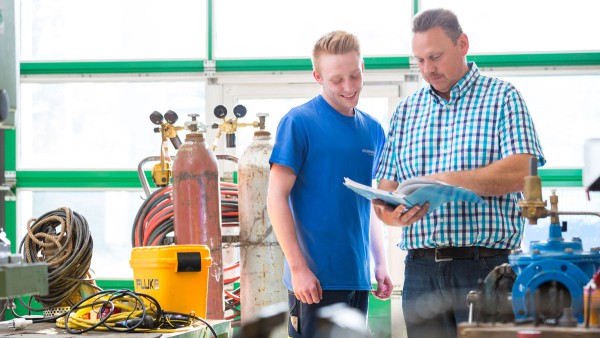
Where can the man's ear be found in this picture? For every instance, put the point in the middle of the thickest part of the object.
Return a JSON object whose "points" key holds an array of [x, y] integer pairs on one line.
{"points": [[318, 77], [463, 42]]}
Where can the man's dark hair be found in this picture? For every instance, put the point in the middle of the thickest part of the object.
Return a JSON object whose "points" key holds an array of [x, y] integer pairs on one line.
{"points": [[438, 17]]}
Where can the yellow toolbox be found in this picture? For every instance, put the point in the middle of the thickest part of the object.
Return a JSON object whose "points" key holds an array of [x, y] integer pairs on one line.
{"points": [[176, 275]]}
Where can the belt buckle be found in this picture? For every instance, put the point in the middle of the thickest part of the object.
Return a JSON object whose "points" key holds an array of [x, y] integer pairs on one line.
{"points": [[438, 259]]}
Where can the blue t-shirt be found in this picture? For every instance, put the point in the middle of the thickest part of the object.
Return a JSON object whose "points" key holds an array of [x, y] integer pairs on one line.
{"points": [[323, 146]]}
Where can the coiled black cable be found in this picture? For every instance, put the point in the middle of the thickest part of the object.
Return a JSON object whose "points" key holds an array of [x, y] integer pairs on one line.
{"points": [[61, 238]]}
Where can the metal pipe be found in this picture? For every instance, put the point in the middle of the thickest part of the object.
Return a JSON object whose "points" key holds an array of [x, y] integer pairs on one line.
{"points": [[588, 213], [142, 175], [227, 157]]}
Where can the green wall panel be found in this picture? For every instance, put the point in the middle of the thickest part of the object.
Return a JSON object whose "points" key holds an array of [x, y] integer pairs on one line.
{"points": [[80, 179], [250, 65], [112, 67]]}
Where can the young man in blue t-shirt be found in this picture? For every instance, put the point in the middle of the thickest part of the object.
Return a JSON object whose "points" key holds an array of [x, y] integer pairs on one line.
{"points": [[323, 227]]}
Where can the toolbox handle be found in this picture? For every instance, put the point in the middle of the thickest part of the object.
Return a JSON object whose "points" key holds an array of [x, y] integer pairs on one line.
{"points": [[189, 261]]}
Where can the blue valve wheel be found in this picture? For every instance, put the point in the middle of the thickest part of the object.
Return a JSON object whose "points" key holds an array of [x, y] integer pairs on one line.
{"points": [[544, 272]]}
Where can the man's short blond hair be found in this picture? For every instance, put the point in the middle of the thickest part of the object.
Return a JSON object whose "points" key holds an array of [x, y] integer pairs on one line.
{"points": [[334, 43]]}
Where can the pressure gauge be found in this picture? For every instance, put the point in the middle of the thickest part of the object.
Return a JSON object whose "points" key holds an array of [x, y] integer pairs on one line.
{"points": [[156, 117], [220, 111], [239, 111], [171, 117]]}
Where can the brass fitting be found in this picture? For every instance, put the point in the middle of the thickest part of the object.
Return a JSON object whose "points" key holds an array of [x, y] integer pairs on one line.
{"points": [[532, 206]]}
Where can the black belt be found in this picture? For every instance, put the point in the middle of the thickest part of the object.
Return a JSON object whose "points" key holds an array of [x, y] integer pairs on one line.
{"points": [[450, 253]]}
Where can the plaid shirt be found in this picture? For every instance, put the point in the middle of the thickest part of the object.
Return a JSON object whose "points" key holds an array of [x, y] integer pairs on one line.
{"points": [[484, 121]]}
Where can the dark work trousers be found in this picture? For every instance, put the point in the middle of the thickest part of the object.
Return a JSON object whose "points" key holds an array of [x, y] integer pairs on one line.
{"points": [[434, 298], [303, 317]]}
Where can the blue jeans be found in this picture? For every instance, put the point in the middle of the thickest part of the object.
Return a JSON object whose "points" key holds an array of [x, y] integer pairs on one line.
{"points": [[302, 322], [434, 298]]}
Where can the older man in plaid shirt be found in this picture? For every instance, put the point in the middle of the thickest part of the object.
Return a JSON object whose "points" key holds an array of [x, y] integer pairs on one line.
{"points": [[465, 129]]}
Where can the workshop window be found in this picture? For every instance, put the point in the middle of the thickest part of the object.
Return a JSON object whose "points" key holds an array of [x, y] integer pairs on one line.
{"points": [[253, 29], [525, 26], [110, 215], [99, 125], [113, 30], [565, 111]]}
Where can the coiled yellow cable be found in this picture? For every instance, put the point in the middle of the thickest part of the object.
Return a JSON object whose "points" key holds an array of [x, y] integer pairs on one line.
{"points": [[121, 311]]}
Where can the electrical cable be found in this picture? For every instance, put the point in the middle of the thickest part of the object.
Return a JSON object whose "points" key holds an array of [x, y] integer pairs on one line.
{"points": [[15, 324], [125, 311], [158, 218], [236, 312], [232, 295], [120, 311], [35, 319], [232, 298], [61, 238], [231, 280], [155, 219], [229, 205], [232, 266], [159, 236], [232, 303], [145, 226]]}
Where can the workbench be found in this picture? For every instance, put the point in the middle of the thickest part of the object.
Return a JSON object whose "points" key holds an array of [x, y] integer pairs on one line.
{"points": [[487, 330], [221, 327]]}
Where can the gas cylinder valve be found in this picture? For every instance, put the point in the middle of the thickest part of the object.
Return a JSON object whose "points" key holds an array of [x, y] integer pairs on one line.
{"points": [[261, 120], [230, 125], [161, 172], [195, 126]]}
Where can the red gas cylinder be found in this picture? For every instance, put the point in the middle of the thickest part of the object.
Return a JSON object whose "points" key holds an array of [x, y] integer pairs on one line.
{"points": [[197, 209]]}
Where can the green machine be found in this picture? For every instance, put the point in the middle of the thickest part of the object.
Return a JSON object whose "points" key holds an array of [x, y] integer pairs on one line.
{"points": [[17, 278], [8, 63]]}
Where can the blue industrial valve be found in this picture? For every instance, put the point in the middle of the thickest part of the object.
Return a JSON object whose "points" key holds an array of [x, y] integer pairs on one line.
{"points": [[552, 276]]}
